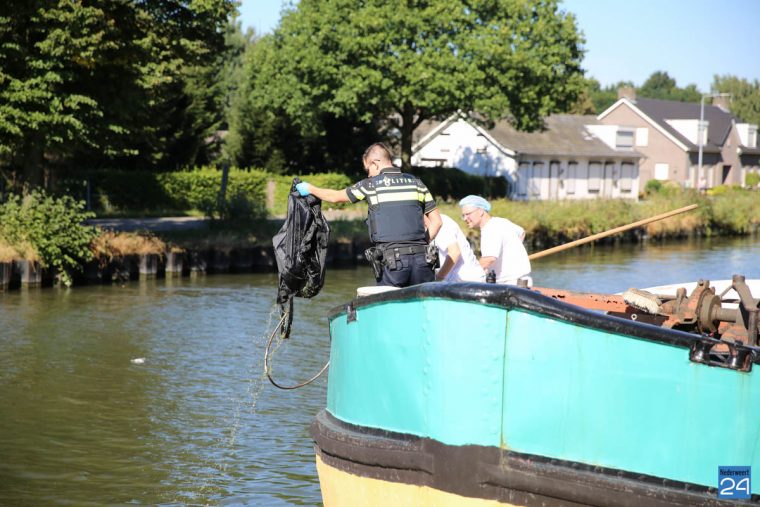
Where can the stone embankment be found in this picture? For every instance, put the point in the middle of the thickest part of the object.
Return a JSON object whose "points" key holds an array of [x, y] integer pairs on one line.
{"points": [[25, 274]]}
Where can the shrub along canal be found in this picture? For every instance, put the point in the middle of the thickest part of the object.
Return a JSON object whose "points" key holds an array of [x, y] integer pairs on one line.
{"points": [[153, 392]]}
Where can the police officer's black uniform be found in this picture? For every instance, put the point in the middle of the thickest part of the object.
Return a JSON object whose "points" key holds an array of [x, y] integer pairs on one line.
{"points": [[397, 202]]}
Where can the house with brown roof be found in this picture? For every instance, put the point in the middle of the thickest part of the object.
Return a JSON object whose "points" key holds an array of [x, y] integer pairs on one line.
{"points": [[573, 157], [668, 135]]}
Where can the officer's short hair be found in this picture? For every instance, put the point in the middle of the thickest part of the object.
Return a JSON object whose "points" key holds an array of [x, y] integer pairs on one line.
{"points": [[377, 151]]}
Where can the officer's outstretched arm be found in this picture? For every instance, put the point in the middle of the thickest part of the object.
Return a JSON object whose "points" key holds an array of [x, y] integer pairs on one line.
{"points": [[328, 195], [434, 223]]}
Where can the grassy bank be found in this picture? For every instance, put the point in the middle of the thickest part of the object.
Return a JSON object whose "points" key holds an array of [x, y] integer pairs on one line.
{"points": [[733, 212], [728, 211], [547, 223]]}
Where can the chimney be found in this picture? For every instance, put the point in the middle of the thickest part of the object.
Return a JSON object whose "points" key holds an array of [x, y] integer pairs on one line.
{"points": [[723, 102], [627, 92]]}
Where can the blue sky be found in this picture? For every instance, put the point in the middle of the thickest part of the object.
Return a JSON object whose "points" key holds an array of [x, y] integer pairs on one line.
{"points": [[692, 40]]}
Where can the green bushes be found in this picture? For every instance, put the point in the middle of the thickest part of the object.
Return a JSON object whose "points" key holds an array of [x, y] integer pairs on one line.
{"points": [[117, 193], [195, 190], [199, 189], [752, 180], [735, 211], [547, 223], [143, 192], [52, 226], [252, 194], [551, 222]]}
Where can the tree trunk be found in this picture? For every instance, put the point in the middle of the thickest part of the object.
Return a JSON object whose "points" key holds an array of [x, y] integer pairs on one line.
{"points": [[406, 144], [411, 118], [32, 163], [407, 129]]}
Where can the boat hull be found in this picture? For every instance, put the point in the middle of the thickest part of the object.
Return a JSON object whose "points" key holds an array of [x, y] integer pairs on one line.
{"points": [[592, 407]]}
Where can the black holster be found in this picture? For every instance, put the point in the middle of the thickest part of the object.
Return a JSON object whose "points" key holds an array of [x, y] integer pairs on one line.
{"points": [[431, 256], [375, 257]]}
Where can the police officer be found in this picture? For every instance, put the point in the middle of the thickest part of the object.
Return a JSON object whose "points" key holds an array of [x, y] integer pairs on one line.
{"points": [[397, 203]]}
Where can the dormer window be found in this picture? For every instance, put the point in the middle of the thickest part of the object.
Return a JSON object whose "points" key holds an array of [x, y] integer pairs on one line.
{"points": [[624, 139], [747, 134]]}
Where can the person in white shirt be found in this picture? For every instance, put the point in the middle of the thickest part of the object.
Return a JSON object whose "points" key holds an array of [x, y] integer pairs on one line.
{"points": [[458, 261], [501, 242]]}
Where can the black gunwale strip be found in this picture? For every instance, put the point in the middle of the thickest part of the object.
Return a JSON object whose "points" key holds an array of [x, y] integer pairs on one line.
{"points": [[493, 473], [511, 297]]}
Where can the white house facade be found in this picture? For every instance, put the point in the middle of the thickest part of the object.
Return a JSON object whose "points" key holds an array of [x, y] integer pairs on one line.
{"points": [[572, 158], [459, 143]]}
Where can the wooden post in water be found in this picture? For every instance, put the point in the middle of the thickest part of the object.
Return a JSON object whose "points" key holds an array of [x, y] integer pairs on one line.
{"points": [[604, 234]]}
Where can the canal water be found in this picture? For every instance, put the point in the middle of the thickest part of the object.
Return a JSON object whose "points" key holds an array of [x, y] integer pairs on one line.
{"points": [[153, 393]]}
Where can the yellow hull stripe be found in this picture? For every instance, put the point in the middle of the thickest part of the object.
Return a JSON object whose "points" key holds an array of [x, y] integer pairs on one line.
{"points": [[342, 489]]}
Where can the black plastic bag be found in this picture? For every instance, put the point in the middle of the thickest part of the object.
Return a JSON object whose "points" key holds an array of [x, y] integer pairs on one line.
{"points": [[300, 248]]}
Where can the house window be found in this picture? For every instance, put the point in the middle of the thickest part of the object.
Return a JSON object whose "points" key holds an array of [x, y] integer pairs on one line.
{"points": [[594, 177], [572, 175], [624, 139], [661, 171], [626, 177], [523, 175], [536, 179], [642, 136]]}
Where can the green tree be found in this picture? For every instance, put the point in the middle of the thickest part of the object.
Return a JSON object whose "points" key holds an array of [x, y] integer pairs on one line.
{"points": [[745, 96], [404, 62], [600, 98], [53, 226], [44, 47], [264, 133], [661, 86], [107, 83]]}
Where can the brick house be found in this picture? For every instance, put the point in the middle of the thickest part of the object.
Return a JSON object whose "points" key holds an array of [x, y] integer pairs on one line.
{"points": [[667, 135]]}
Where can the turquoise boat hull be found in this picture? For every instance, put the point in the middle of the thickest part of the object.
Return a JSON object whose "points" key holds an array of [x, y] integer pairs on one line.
{"points": [[516, 377]]}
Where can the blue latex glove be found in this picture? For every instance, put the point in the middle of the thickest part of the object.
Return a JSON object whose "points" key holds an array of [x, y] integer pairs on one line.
{"points": [[303, 188]]}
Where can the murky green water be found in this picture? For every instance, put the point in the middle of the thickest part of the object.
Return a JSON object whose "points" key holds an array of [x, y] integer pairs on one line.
{"points": [[197, 423]]}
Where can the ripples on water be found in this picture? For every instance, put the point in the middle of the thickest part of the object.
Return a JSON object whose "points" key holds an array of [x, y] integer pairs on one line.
{"points": [[198, 423]]}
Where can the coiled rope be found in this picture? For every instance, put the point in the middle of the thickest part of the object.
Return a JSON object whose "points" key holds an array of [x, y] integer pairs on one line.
{"points": [[266, 361]]}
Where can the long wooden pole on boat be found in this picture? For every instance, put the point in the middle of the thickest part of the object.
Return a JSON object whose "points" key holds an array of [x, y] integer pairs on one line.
{"points": [[604, 234]]}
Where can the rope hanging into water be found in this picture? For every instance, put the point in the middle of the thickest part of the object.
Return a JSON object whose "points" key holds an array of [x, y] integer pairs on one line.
{"points": [[266, 362]]}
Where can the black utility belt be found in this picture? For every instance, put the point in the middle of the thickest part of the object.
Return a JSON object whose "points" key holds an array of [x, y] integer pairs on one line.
{"points": [[391, 257], [391, 253]]}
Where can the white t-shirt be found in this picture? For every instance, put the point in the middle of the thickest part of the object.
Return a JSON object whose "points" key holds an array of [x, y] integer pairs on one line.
{"points": [[467, 268], [502, 239]]}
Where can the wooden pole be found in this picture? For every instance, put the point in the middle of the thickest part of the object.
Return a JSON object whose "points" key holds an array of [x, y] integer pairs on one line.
{"points": [[604, 234]]}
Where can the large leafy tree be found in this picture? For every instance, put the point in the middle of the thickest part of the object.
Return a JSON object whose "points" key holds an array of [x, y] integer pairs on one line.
{"points": [[44, 48], [267, 130], [107, 83], [745, 96], [397, 63]]}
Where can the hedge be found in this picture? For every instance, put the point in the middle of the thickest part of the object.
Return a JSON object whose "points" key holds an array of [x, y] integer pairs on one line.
{"points": [[196, 189], [130, 192]]}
